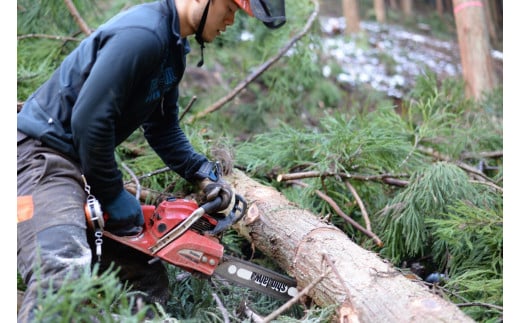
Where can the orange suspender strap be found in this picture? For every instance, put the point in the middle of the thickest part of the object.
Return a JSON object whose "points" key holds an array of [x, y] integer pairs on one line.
{"points": [[25, 208]]}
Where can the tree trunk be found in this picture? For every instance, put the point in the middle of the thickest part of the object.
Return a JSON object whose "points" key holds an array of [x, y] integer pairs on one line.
{"points": [[393, 4], [439, 7], [490, 22], [379, 8], [407, 7], [365, 287], [475, 48], [351, 14]]}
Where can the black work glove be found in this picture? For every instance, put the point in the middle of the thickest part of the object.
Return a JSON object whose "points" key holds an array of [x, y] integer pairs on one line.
{"points": [[220, 188], [213, 185], [125, 215]]}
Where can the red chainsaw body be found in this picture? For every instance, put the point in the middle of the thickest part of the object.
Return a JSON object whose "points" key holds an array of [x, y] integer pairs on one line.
{"points": [[191, 251]]}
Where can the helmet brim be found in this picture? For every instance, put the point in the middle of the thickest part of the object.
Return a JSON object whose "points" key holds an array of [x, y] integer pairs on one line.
{"points": [[270, 12]]}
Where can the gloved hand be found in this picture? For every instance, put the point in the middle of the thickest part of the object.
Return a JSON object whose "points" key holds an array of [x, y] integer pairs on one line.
{"points": [[211, 183], [125, 216], [221, 188]]}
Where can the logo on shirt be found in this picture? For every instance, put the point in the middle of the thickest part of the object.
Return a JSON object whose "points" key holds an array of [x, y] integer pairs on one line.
{"points": [[161, 84]]}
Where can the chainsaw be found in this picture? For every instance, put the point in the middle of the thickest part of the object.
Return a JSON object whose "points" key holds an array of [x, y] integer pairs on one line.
{"points": [[182, 233]]}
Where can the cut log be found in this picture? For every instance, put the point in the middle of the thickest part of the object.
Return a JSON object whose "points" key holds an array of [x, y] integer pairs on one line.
{"points": [[365, 287]]}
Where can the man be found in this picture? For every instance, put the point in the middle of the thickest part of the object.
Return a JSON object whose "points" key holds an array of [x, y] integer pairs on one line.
{"points": [[123, 76]]}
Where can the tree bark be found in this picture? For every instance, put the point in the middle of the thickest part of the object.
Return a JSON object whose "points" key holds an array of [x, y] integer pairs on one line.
{"points": [[492, 31], [351, 14], [407, 7], [365, 287], [475, 48], [379, 8], [439, 7]]}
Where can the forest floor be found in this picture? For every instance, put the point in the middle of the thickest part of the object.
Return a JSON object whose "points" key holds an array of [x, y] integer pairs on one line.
{"points": [[385, 57], [388, 57]]}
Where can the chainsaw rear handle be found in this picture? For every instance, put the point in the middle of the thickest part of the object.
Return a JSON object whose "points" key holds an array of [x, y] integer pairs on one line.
{"points": [[236, 213], [212, 206]]}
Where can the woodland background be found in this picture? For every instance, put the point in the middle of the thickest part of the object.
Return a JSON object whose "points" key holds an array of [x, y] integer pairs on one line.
{"points": [[423, 155]]}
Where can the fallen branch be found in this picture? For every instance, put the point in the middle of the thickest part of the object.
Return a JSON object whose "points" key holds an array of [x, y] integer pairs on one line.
{"points": [[135, 179], [359, 202], [468, 168], [253, 317], [385, 178], [221, 307], [253, 76], [500, 308], [77, 17], [54, 37], [336, 208], [395, 182], [155, 172], [145, 194], [465, 302], [484, 154], [188, 107], [498, 188], [295, 299]]}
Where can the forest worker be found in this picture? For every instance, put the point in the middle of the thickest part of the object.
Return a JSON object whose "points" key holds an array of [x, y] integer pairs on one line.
{"points": [[123, 76]]}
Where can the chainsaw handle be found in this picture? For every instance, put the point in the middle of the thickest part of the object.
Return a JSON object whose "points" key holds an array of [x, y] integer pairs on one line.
{"points": [[212, 206], [238, 211]]}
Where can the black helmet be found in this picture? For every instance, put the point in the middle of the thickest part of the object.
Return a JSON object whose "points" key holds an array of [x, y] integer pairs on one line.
{"points": [[270, 12]]}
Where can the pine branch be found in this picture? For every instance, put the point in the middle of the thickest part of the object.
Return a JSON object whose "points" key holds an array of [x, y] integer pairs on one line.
{"points": [[389, 179], [336, 208], [77, 17], [464, 166], [249, 313], [253, 76], [135, 179], [296, 298], [221, 307], [360, 204], [54, 37], [500, 308], [483, 154], [188, 107]]}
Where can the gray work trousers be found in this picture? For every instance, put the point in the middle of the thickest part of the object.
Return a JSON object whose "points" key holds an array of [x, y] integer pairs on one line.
{"points": [[53, 242]]}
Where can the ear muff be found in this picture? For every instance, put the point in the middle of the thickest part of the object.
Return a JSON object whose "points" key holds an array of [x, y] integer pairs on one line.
{"points": [[94, 214]]}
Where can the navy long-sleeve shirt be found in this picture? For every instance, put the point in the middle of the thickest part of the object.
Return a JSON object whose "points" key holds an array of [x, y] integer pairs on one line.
{"points": [[123, 76]]}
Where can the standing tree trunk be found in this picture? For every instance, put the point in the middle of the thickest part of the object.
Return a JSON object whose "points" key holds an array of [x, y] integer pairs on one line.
{"points": [[475, 49], [439, 7], [407, 7], [379, 8], [364, 287], [351, 14], [490, 23], [393, 4]]}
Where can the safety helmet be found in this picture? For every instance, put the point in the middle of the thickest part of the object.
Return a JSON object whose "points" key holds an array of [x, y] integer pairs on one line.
{"points": [[270, 12]]}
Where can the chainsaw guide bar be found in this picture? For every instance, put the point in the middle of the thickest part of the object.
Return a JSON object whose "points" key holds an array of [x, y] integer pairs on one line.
{"points": [[255, 277]]}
